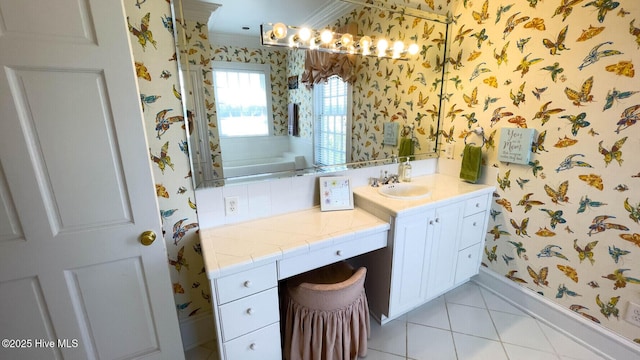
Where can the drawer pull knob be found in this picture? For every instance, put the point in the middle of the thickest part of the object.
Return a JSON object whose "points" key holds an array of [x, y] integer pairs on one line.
{"points": [[474, 223], [469, 256], [438, 220], [252, 346], [250, 311], [339, 252], [247, 284], [477, 205], [431, 222]]}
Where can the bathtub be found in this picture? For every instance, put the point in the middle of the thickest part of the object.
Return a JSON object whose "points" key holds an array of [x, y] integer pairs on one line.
{"points": [[262, 166]]}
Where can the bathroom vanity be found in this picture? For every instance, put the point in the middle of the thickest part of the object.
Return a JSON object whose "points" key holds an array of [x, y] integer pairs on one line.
{"points": [[414, 250], [435, 243]]}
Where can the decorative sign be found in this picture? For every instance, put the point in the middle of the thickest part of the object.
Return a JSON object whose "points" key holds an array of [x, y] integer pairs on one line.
{"points": [[390, 132], [335, 193], [515, 145]]}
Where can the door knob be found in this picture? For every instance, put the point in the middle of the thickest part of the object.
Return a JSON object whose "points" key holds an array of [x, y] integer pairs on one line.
{"points": [[147, 238]]}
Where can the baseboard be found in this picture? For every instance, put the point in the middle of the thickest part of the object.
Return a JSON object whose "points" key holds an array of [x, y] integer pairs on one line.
{"points": [[197, 330], [599, 339]]}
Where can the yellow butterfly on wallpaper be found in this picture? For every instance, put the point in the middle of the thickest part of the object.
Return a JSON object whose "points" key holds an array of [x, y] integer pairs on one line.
{"points": [[544, 232], [505, 203], [180, 260], [512, 22], [569, 271], [635, 32], [539, 278], [474, 55], [448, 137], [416, 22], [586, 252], [544, 114], [562, 143], [520, 121], [565, 8], [504, 182], [457, 62], [624, 68], [480, 17], [528, 203], [590, 32], [161, 191], [163, 160], [592, 180], [490, 141], [558, 45], [584, 95], [560, 195], [430, 4], [502, 57], [142, 72], [511, 275], [491, 255], [633, 238], [538, 144], [535, 23], [491, 81], [461, 34], [472, 99], [521, 229], [518, 97], [427, 31], [177, 288], [143, 34], [525, 64], [422, 100], [614, 153]]}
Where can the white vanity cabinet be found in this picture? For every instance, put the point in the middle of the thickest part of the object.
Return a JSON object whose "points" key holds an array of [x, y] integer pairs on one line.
{"points": [[432, 247], [247, 313]]}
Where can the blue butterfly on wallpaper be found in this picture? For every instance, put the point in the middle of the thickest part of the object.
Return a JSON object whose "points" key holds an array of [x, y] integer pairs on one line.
{"points": [[556, 217], [548, 251], [148, 99], [616, 253], [562, 291], [569, 163], [183, 306], [603, 7], [480, 36], [595, 55], [614, 95], [521, 43], [507, 258], [479, 69], [577, 122], [585, 202], [494, 213], [167, 213]]}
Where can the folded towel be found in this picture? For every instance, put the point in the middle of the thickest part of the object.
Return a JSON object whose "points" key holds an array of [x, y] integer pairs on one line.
{"points": [[406, 147], [471, 163]]}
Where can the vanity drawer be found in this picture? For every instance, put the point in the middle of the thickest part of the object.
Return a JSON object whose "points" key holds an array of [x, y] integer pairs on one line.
{"points": [[246, 283], [472, 230], [476, 204], [468, 263], [331, 254], [263, 344], [250, 313]]}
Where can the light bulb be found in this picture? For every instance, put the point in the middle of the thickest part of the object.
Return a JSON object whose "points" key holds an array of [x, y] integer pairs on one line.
{"points": [[398, 46], [326, 36], [346, 40], [279, 30], [304, 34], [365, 44], [382, 46], [413, 49]]}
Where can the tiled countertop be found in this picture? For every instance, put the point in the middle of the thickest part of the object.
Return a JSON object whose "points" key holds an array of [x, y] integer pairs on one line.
{"points": [[444, 189], [232, 248]]}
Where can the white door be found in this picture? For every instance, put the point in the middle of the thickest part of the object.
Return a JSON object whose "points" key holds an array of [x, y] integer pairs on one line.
{"points": [[76, 191]]}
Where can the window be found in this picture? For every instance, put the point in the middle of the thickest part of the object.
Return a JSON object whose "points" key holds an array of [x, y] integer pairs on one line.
{"points": [[243, 99], [333, 122]]}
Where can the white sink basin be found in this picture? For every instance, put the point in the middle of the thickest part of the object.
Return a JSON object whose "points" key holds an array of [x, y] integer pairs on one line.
{"points": [[404, 191]]}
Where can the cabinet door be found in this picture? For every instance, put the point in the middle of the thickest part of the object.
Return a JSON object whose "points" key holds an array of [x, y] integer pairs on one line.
{"points": [[409, 253], [441, 263]]}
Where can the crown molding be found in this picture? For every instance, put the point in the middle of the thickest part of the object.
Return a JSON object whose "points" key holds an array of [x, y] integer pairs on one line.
{"points": [[201, 11]]}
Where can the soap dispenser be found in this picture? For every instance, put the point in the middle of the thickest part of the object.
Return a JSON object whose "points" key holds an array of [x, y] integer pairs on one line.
{"points": [[401, 171], [406, 171]]}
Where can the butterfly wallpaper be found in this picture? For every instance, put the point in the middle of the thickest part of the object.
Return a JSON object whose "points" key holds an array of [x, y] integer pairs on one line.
{"points": [[152, 42], [567, 225]]}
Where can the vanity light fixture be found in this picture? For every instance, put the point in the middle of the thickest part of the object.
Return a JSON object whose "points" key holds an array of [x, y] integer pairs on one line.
{"points": [[330, 41]]}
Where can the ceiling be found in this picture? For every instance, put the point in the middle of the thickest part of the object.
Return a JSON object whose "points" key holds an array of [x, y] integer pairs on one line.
{"points": [[233, 15]]}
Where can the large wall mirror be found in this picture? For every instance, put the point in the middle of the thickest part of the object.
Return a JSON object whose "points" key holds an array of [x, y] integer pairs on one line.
{"points": [[391, 109]]}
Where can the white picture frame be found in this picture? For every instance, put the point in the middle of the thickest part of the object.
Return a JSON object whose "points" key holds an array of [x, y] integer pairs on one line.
{"points": [[335, 193]]}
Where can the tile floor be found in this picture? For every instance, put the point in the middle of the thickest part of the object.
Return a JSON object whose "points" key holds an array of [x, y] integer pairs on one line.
{"points": [[468, 323]]}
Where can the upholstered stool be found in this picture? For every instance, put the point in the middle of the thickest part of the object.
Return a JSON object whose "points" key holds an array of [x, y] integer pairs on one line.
{"points": [[327, 314]]}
